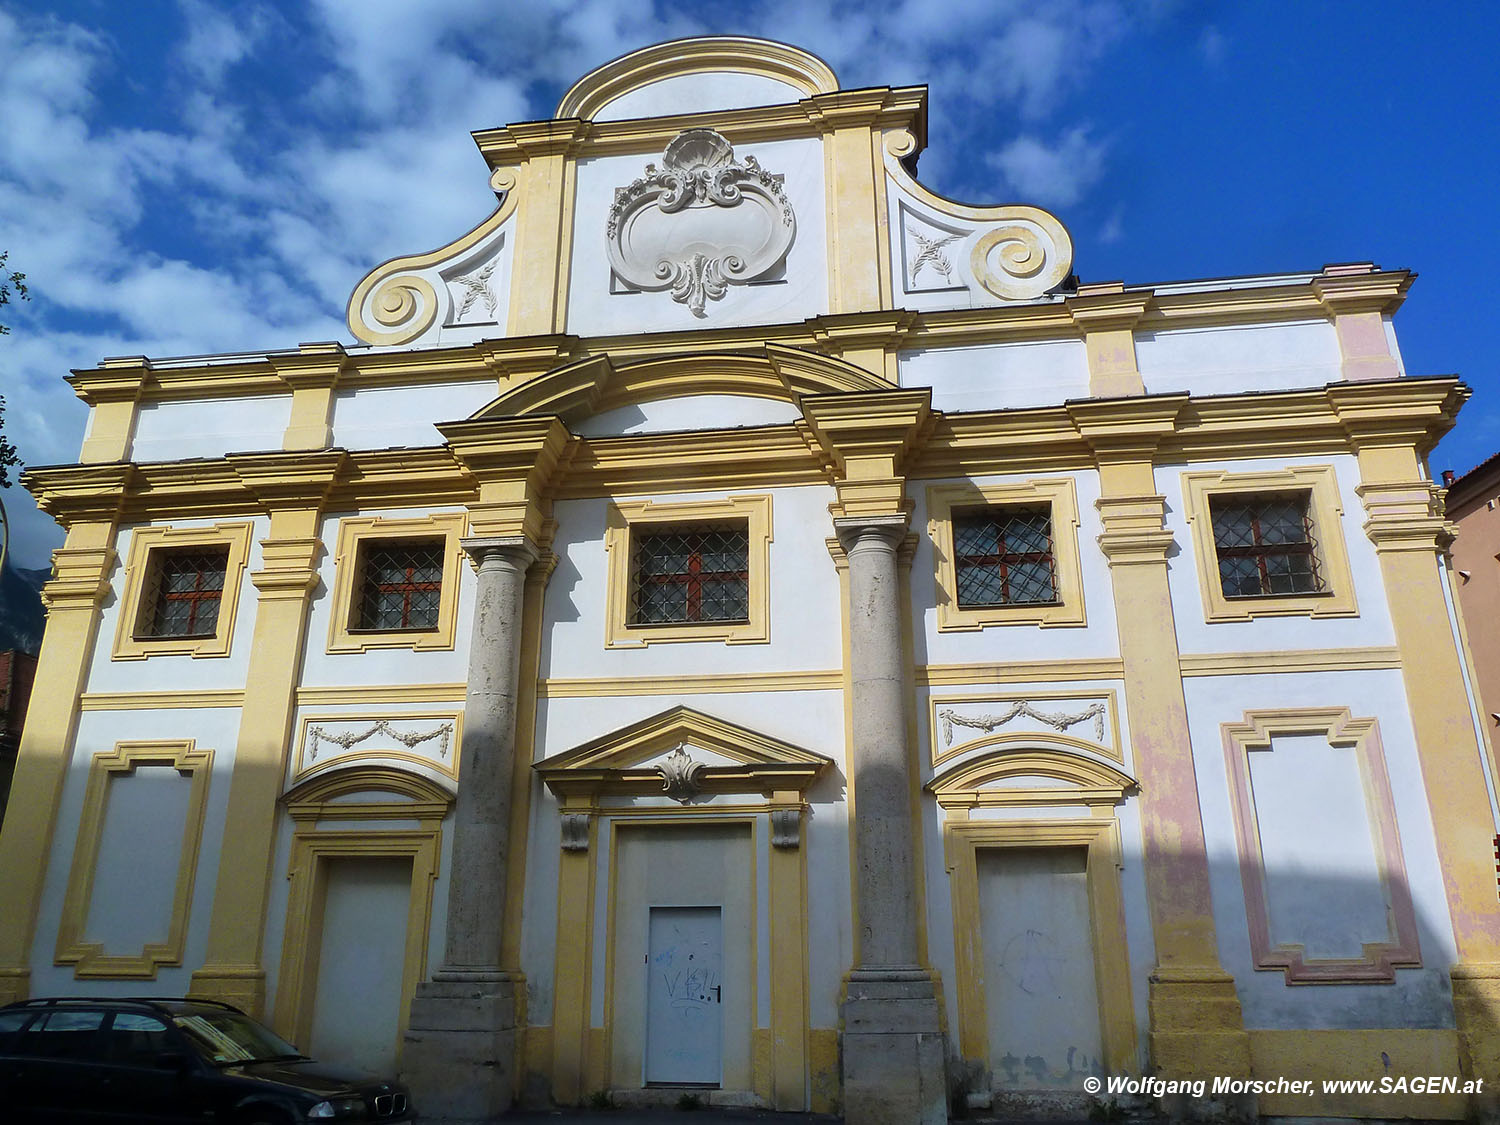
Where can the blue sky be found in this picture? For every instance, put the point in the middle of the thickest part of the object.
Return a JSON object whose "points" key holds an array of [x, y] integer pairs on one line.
{"points": [[180, 177]]}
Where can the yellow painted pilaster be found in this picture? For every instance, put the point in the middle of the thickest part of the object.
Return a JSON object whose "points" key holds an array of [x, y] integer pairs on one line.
{"points": [[114, 391], [788, 898], [1357, 298], [544, 221], [572, 979], [81, 570], [1196, 1026], [868, 340], [293, 487], [1392, 427], [853, 169], [313, 374], [1107, 316]]}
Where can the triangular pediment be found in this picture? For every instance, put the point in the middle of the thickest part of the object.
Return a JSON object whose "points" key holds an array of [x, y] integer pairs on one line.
{"points": [[724, 757]]}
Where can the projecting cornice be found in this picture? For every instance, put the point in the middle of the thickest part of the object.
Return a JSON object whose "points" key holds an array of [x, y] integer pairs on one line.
{"points": [[916, 443]]}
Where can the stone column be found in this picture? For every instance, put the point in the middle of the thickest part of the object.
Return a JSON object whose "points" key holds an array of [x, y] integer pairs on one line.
{"points": [[460, 1041], [893, 1045]]}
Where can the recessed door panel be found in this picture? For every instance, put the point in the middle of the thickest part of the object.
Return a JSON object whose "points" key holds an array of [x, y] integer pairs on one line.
{"points": [[361, 963], [1041, 1000], [684, 996]]}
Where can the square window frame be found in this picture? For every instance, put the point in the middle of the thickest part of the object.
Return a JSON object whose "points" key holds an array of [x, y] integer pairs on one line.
{"points": [[148, 541], [1059, 494], [354, 533], [622, 517], [1324, 507]]}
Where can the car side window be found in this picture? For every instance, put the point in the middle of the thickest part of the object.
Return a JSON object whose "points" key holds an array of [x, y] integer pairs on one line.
{"points": [[63, 1034], [10, 1023], [134, 1039]]}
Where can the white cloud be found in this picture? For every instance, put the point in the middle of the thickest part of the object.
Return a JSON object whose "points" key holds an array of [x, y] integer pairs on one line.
{"points": [[241, 215], [1053, 174]]}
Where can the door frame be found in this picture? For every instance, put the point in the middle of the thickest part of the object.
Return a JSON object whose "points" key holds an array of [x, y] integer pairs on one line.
{"points": [[1100, 837], [318, 840]]}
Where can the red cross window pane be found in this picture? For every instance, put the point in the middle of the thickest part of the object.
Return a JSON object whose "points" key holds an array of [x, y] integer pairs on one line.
{"points": [[1003, 556], [182, 593], [1265, 545], [684, 574], [400, 585]]}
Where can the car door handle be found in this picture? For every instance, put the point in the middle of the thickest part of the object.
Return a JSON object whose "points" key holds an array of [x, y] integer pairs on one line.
{"points": [[718, 999]]}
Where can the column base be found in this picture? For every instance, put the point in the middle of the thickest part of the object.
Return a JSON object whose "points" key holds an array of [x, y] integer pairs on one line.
{"points": [[1198, 1031], [893, 1055], [1476, 1015], [244, 986], [15, 984], [460, 1053]]}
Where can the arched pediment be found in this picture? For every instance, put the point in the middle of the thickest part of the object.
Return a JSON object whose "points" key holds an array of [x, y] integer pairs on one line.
{"points": [[597, 384], [1031, 775], [380, 792], [707, 754], [802, 75]]}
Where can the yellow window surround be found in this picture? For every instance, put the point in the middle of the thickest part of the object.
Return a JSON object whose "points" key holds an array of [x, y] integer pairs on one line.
{"points": [[1320, 485], [1058, 495], [354, 533], [146, 542], [625, 519]]}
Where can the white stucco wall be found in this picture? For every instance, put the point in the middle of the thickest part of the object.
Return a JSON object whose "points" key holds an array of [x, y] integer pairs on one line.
{"points": [[999, 376], [215, 729], [712, 90], [594, 310], [1196, 635], [176, 673], [211, 427], [805, 629], [691, 412], [1420, 997], [997, 643], [382, 417], [1262, 357], [381, 665]]}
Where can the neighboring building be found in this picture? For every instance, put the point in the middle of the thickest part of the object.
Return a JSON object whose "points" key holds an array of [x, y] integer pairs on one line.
{"points": [[741, 622], [17, 672], [1473, 503]]}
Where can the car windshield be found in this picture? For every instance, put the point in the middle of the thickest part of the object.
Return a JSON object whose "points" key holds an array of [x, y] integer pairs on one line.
{"points": [[226, 1038]]}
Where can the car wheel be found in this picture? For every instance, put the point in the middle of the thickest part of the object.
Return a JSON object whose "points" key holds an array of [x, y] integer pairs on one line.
{"points": [[265, 1117]]}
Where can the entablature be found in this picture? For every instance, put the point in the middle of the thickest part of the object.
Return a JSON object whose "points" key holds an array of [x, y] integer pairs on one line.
{"points": [[1410, 412]]}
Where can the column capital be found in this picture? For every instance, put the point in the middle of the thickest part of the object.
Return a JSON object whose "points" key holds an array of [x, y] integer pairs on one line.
{"points": [[518, 550], [890, 530]]}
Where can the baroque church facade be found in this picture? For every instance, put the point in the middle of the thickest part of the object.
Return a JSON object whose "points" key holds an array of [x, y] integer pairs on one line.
{"points": [[739, 622]]}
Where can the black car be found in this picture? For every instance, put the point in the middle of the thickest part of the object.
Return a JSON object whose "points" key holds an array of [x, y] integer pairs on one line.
{"points": [[145, 1060]]}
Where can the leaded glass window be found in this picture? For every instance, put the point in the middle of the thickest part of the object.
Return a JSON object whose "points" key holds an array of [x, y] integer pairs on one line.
{"points": [[1265, 545], [1003, 556], [182, 592], [690, 573], [399, 584]]}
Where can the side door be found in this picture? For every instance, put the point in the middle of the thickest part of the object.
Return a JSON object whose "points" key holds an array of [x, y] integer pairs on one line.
{"points": [[148, 1074], [56, 1065], [15, 1080]]}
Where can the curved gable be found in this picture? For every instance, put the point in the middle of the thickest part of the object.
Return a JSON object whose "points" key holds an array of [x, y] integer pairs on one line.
{"points": [[735, 71]]}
